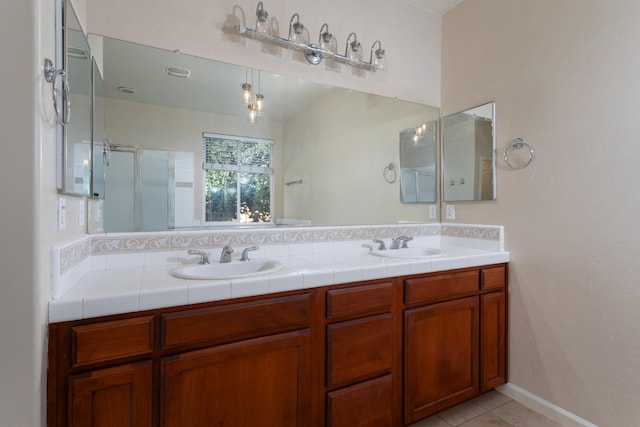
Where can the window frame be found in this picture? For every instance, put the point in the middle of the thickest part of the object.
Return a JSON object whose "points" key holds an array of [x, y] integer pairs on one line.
{"points": [[239, 170]]}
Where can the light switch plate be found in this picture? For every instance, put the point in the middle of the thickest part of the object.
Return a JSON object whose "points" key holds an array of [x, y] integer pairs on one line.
{"points": [[62, 213], [433, 213], [81, 215], [450, 212]]}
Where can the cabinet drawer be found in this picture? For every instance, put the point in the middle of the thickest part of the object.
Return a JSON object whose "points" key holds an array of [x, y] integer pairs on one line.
{"points": [[104, 341], [371, 299], [235, 322], [493, 278], [368, 404], [357, 349], [440, 287]]}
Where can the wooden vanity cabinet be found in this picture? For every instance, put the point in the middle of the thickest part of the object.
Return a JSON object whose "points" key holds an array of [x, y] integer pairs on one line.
{"points": [[254, 370], [363, 348], [455, 338], [235, 363], [377, 353]]}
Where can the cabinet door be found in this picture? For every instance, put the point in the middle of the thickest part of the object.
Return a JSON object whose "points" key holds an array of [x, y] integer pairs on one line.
{"points": [[493, 324], [441, 356], [263, 381], [119, 396], [358, 349], [368, 404]]}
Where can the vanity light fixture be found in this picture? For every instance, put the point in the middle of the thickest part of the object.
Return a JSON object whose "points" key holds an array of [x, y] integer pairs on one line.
{"points": [[297, 33], [380, 60], [326, 40], [355, 54], [298, 39], [262, 27]]}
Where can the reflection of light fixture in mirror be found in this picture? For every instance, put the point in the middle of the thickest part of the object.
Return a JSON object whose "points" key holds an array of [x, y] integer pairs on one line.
{"points": [[297, 34], [355, 54], [380, 61], [246, 88], [419, 132], [246, 93], [259, 99], [253, 113], [326, 40], [261, 20], [259, 104]]}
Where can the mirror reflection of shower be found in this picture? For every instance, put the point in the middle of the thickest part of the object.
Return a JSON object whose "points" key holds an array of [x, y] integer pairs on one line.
{"points": [[418, 163], [139, 190]]}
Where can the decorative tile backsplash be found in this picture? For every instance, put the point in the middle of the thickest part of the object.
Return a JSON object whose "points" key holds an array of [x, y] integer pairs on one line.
{"points": [[74, 254], [484, 232], [141, 242]]}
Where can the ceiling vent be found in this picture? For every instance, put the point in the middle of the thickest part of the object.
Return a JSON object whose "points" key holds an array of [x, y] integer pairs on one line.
{"points": [[76, 52], [174, 71]]}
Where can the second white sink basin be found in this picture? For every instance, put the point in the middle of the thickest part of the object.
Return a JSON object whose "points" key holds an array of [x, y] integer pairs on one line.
{"points": [[409, 253], [230, 270]]}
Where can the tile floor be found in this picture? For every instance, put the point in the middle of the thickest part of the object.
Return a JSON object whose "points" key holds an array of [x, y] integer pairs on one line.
{"points": [[492, 409]]}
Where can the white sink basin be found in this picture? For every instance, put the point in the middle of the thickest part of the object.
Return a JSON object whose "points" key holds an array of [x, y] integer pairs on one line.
{"points": [[230, 270], [409, 253]]}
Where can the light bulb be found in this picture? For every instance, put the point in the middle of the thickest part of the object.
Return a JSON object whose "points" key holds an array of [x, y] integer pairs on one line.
{"points": [[253, 114], [259, 103], [246, 93], [261, 20]]}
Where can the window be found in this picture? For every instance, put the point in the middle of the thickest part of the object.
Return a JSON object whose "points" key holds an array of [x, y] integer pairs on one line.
{"points": [[238, 178]]}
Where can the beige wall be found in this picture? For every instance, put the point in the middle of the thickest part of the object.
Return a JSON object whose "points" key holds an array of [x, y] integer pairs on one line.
{"points": [[566, 78], [28, 214]]}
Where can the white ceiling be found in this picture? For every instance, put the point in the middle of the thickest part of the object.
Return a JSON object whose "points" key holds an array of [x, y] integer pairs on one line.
{"points": [[436, 6]]}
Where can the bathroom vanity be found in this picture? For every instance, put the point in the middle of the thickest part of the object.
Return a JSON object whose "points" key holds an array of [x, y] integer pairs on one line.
{"points": [[384, 352]]}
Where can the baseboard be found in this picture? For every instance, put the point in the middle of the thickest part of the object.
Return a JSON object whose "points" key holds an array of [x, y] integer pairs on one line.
{"points": [[548, 409]]}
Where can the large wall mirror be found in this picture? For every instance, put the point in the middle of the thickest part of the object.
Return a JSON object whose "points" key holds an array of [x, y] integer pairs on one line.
{"points": [[469, 154], [315, 155], [74, 127]]}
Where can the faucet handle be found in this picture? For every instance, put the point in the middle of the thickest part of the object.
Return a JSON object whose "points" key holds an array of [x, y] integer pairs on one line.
{"points": [[400, 242], [204, 258], [404, 242], [245, 252], [225, 256], [381, 246]]}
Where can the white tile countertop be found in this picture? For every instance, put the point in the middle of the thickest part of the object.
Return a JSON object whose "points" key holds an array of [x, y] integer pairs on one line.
{"points": [[104, 291]]}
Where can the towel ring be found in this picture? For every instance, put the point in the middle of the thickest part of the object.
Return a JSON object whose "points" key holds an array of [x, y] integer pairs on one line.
{"points": [[389, 173], [517, 144]]}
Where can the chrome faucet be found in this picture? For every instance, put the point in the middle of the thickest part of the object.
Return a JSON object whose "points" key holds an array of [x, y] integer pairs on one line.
{"points": [[245, 252], [381, 246], [400, 242], [204, 258], [225, 256]]}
